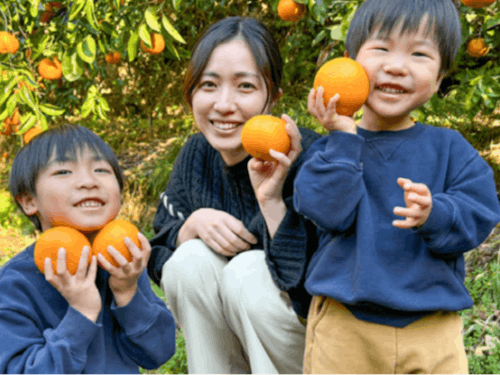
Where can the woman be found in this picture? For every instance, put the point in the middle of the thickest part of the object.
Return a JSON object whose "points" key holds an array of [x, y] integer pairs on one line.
{"points": [[230, 252]]}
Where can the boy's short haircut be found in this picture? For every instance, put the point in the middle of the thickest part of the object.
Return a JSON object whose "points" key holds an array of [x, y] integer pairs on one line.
{"points": [[64, 143], [443, 21]]}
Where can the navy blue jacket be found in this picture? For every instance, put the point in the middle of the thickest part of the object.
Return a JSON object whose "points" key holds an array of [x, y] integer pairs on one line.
{"points": [[381, 273]]}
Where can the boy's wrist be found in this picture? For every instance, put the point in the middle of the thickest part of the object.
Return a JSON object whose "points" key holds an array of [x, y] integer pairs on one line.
{"points": [[124, 296]]}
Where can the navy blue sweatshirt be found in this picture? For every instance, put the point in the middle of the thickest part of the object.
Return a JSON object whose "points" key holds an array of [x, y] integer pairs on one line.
{"points": [[383, 274], [41, 333], [201, 179]]}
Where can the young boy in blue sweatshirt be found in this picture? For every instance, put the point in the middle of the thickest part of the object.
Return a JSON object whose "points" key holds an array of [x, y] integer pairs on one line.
{"points": [[387, 290], [103, 319]]}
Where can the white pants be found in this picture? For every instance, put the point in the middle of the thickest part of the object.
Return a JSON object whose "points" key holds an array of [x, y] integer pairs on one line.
{"points": [[234, 318]]}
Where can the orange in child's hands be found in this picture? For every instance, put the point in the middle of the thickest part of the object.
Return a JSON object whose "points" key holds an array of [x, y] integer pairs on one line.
{"points": [[262, 133], [113, 233], [52, 240], [346, 77]]}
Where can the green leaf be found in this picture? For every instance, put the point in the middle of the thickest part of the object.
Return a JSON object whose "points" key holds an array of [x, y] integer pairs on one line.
{"points": [[34, 8], [27, 122], [176, 4], [86, 49], [87, 107], [132, 45], [76, 8], [151, 20], [171, 48], [51, 110], [336, 33], [145, 35], [11, 103], [321, 35], [90, 14], [28, 97], [104, 103], [171, 30], [72, 69]]}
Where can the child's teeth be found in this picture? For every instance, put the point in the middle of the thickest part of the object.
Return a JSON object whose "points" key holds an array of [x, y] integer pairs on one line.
{"points": [[91, 204]]}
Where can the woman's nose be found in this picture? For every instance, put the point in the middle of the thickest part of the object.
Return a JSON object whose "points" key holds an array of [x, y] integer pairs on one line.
{"points": [[225, 101]]}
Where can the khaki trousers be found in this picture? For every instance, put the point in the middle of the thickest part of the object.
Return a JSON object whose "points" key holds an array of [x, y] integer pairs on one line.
{"points": [[338, 342], [234, 318]]}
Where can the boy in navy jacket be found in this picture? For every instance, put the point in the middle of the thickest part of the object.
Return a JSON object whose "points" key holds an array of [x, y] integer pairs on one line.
{"points": [[102, 319], [387, 289]]}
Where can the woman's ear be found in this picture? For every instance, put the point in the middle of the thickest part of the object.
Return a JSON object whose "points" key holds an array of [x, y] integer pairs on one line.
{"points": [[29, 203]]}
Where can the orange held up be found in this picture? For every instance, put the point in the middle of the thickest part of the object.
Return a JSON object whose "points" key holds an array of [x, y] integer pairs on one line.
{"points": [[262, 133], [346, 77]]}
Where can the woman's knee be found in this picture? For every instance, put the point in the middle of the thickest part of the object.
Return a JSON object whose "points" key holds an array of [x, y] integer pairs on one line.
{"points": [[190, 264]]}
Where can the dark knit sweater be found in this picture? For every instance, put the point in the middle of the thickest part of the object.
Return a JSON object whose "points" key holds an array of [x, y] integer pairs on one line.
{"points": [[201, 179]]}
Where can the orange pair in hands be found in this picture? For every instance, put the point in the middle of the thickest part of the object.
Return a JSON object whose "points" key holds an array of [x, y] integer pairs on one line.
{"points": [[113, 233]]}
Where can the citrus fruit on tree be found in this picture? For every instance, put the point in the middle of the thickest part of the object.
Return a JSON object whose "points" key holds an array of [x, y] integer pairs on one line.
{"points": [[113, 233], [31, 133], [289, 10], [50, 69], [113, 57], [346, 77], [49, 243], [262, 133], [477, 48], [10, 124], [8, 42], [477, 4], [157, 44]]}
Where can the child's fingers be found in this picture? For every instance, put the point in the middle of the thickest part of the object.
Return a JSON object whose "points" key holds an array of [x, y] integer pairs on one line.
{"points": [[404, 224], [403, 181], [422, 200], [132, 247], [81, 270], [48, 270], [281, 158], [412, 212], [62, 269], [117, 256], [92, 271], [420, 189], [145, 245]]}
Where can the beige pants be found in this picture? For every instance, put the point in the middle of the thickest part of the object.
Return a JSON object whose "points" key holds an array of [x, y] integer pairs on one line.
{"points": [[234, 318], [339, 343]]}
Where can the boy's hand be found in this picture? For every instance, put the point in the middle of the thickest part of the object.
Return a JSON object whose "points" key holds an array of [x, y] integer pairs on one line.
{"points": [[328, 116], [123, 279], [418, 201], [79, 289]]}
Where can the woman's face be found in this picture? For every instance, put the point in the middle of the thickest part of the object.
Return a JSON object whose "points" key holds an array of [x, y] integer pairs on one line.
{"points": [[231, 90]]}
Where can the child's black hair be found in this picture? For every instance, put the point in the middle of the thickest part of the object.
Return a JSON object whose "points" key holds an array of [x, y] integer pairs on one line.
{"points": [[443, 21], [64, 143]]}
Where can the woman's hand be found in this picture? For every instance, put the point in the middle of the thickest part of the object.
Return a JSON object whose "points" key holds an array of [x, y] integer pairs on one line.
{"points": [[221, 231], [328, 116], [123, 279], [268, 177]]}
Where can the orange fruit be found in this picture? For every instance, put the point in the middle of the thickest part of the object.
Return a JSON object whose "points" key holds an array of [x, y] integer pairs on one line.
{"points": [[46, 16], [477, 47], [113, 57], [289, 10], [31, 133], [7, 128], [113, 233], [348, 78], [52, 240], [50, 69], [477, 4], [5, 155], [8, 42], [10, 123], [262, 133], [158, 44]]}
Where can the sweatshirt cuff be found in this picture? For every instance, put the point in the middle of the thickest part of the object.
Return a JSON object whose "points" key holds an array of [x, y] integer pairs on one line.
{"points": [[439, 222], [342, 146], [137, 316], [77, 330]]}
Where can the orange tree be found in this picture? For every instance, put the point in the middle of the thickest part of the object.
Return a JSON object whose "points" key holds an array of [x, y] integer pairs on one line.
{"points": [[59, 67]]}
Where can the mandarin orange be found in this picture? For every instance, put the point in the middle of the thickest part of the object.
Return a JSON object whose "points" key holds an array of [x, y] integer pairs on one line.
{"points": [[262, 133], [113, 233], [49, 243]]}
